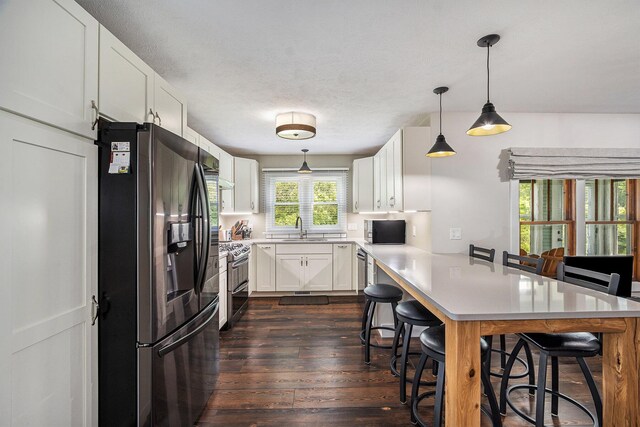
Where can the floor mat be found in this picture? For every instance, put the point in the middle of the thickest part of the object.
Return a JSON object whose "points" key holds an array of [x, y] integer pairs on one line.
{"points": [[304, 300]]}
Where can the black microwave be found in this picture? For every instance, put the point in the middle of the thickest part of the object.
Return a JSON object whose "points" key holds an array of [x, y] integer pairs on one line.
{"points": [[385, 231]]}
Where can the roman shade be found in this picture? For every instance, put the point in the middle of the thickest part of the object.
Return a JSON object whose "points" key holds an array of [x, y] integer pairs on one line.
{"points": [[573, 163]]}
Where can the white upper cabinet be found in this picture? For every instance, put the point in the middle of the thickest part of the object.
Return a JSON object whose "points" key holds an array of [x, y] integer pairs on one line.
{"points": [[380, 180], [170, 107], [49, 63], [126, 82], [362, 183], [193, 137], [402, 172], [246, 185], [226, 173], [255, 187]]}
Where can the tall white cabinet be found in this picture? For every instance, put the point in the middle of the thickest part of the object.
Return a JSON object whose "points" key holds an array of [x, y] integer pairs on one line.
{"points": [[48, 356], [170, 106], [49, 63]]}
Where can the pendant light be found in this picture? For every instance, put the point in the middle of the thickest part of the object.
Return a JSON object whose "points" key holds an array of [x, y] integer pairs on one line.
{"points": [[293, 125], [489, 122], [305, 167], [441, 148]]}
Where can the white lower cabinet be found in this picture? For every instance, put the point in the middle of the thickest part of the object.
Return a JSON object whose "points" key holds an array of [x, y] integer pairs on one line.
{"points": [[304, 267], [48, 356], [266, 268], [289, 272], [318, 274], [343, 267], [222, 311]]}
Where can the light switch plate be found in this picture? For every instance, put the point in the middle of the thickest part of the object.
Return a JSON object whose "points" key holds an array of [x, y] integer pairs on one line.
{"points": [[352, 226], [455, 233]]}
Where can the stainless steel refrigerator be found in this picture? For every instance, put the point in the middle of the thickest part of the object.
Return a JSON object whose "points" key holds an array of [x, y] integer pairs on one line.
{"points": [[158, 276]]}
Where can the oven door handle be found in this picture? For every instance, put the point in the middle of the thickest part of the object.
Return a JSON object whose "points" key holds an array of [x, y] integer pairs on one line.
{"points": [[242, 287], [170, 347], [239, 263]]}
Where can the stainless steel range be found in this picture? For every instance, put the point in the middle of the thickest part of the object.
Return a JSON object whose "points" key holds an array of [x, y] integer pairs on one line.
{"points": [[237, 280]]}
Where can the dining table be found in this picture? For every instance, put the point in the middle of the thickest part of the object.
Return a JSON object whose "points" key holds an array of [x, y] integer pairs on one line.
{"points": [[476, 298]]}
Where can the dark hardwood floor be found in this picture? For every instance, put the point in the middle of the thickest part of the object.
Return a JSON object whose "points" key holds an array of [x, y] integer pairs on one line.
{"points": [[304, 365]]}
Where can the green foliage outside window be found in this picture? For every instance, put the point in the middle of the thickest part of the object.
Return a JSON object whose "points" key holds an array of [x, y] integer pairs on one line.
{"points": [[287, 206], [325, 203]]}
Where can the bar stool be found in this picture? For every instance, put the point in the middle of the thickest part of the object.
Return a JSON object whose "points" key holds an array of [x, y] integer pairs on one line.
{"points": [[432, 342], [378, 293], [552, 346], [531, 265], [409, 313]]}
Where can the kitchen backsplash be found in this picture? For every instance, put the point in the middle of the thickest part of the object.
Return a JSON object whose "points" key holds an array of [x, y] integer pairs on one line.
{"points": [[421, 221]]}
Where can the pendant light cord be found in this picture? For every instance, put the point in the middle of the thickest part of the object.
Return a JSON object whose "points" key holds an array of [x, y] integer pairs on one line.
{"points": [[488, 47], [440, 114]]}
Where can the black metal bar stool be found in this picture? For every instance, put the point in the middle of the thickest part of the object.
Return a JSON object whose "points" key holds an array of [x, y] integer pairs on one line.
{"points": [[409, 313], [552, 346], [432, 342], [379, 293], [531, 265]]}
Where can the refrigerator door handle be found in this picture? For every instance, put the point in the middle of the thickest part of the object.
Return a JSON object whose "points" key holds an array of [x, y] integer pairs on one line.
{"points": [[170, 347], [205, 229]]}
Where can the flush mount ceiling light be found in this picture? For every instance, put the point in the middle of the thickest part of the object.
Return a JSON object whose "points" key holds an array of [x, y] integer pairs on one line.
{"points": [[293, 125], [489, 122], [441, 148], [305, 167]]}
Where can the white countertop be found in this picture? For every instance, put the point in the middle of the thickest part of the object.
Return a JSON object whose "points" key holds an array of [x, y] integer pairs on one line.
{"points": [[464, 288]]}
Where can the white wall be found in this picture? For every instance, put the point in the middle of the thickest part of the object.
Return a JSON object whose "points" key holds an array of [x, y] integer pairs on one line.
{"points": [[470, 190]]}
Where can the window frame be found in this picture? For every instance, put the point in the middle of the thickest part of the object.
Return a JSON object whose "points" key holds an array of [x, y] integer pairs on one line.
{"points": [[577, 227], [306, 200], [569, 188]]}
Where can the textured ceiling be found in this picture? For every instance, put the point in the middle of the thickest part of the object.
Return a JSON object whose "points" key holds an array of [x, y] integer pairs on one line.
{"points": [[367, 67]]}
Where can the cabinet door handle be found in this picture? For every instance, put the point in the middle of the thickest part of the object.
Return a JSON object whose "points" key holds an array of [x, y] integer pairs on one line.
{"points": [[307, 261], [252, 205], [266, 247], [342, 246], [392, 201], [356, 205], [95, 110], [151, 118], [301, 262], [159, 119]]}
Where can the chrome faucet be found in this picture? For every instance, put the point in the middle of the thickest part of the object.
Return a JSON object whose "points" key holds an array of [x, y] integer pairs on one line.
{"points": [[302, 232]]}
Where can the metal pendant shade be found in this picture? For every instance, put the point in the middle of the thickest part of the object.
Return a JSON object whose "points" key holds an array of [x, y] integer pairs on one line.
{"points": [[489, 122], [441, 148], [305, 167]]}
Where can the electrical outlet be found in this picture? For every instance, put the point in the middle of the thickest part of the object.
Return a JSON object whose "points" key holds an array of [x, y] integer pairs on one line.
{"points": [[352, 226], [455, 233], [414, 231]]}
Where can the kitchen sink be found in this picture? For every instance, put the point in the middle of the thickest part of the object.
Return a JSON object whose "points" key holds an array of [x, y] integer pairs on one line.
{"points": [[306, 239]]}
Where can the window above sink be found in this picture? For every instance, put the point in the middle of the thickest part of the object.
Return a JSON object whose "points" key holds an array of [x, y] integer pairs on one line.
{"points": [[319, 199]]}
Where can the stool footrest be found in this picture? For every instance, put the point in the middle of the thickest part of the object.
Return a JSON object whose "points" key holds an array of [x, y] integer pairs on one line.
{"points": [[394, 370], [374, 328], [547, 390], [512, 376]]}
